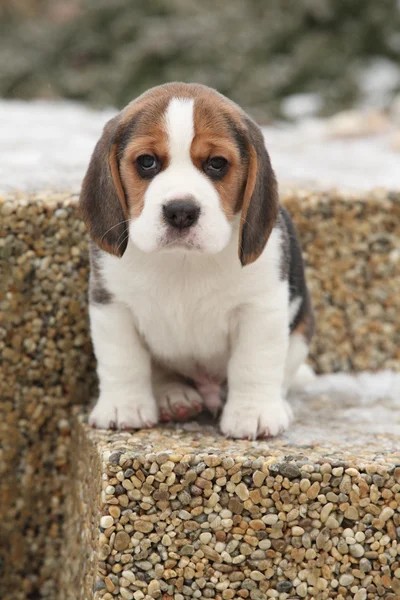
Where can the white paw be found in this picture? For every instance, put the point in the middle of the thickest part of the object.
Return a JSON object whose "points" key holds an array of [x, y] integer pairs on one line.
{"points": [[254, 416], [124, 411], [177, 401]]}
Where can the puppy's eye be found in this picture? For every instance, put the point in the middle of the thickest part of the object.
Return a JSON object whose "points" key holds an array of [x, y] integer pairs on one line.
{"points": [[216, 167], [147, 165], [217, 163], [146, 161]]}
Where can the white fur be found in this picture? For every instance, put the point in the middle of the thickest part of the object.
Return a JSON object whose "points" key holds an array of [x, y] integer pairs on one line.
{"points": [[204, 317], [255, 403], [297, 353], [294, 308], [197, 315], [179, 180], [124, 370], [302, 377]]}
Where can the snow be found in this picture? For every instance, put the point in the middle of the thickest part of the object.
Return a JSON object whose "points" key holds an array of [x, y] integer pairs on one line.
{"points": [[378, 80], [366, 388], [48, 145], [345, 413], [305, 154], [299, 106], [365, 403]]}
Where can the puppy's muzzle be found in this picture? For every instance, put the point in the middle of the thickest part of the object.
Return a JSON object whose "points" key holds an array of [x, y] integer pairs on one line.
{"points": [[181, 214]]}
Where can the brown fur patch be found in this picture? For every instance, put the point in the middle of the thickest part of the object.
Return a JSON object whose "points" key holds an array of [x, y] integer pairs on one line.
{"points": [[154, 142], [213, 137], [248, 193], [115, 175]]}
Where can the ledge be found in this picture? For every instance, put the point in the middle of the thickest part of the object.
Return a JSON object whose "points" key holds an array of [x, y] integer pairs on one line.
{"points": [[181, 512], [352, 249]]}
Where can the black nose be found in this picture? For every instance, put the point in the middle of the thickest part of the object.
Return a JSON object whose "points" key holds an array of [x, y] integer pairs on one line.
{"points": [[181, 213]]}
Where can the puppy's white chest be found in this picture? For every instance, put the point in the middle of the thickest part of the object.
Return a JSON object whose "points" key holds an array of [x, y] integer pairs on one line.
{"points": [[183, 309], [187, 329]]}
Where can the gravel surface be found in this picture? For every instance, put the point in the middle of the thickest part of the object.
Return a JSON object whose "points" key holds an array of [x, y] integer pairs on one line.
{"points": [[188, 514], [352, 247]]}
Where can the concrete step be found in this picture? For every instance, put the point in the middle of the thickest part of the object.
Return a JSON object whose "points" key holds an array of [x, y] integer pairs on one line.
{"points": [[181, 512], [352, 248]]}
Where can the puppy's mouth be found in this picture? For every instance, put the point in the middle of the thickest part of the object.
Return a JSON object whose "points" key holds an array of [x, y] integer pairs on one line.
{"points": [[185, 239]]}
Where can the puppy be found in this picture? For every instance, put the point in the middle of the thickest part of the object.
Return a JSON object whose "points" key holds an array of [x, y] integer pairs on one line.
{"points": [[197, 278]]}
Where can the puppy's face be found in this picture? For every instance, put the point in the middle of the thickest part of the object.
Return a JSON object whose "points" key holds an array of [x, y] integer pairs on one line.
{"points": [[173, 169], [183, 176]]}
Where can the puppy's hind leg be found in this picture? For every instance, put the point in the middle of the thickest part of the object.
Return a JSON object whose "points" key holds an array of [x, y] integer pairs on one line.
{"points": [[177, 400], [297, 372]]}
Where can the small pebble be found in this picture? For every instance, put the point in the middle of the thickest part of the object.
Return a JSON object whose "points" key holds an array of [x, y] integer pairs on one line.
{"points": [[122, 541], [154, 588], [106, 521], [301, 590], [356, 550], [386, 514], [284, 586], [205, 538], [346, 579], [242, 492]]}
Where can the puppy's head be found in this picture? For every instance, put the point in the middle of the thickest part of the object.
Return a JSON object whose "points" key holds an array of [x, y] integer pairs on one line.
{"points": [[173, 170]]}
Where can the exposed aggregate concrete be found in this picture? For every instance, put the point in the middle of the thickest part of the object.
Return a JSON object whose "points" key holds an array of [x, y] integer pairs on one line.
{"points": [[352, 249]]}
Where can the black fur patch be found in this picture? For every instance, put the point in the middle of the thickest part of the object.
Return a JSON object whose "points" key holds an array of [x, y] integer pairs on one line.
{"points": [[285, 244], [292, 269], [98, 293], [128, 133], [239, 136]]}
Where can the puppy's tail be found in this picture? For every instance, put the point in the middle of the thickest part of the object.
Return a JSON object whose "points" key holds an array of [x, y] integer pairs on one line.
{"points": [[304, 375]]}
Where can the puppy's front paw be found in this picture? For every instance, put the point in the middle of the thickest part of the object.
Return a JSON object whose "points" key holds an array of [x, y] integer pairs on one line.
{"points": [[255, 416], [177, 401], [124, 411]]}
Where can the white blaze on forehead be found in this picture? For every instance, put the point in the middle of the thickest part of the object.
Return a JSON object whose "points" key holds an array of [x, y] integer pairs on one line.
{"points": [[180, 127], [179, 180]]}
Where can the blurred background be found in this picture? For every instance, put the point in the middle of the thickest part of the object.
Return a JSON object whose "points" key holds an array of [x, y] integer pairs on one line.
{"points": [[323, 76], [277, 58]]}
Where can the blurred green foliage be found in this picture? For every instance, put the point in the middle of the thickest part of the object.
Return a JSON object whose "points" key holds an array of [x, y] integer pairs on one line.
{"points": [[106, 52]]}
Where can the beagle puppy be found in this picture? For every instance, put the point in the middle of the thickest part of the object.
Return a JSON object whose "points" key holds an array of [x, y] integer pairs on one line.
{"points": [[197, 281]]}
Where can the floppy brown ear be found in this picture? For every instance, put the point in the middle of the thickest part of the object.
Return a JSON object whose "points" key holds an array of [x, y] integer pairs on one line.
{"points": [[260, 202], [102, 200]]}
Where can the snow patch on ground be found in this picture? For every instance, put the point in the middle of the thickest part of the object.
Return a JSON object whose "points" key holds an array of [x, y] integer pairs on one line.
{"points": [[367, 402], [346, 413], [48, 145], [365, 387]]}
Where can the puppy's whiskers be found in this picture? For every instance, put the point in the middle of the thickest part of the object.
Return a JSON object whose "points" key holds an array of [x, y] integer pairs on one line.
{"points": [[119, 237], [113, 227], [123, 241]]}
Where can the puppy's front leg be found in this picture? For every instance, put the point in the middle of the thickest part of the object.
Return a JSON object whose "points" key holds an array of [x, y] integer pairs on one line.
{"points": [[256, 406], [126, 399]]}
